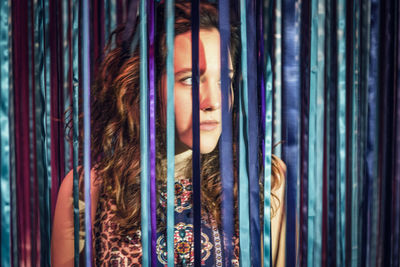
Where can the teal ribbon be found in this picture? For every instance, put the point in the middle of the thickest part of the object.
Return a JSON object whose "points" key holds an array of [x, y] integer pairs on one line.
{"points": [[244, 222], [5, 133], [75, 121], [110, 17], [316, 133], [48, 223], [66, 68], [268, 40], [277, 79], [42, 118], [355, 139], [341, 133], [170, 19], [267, 165], [144, 138]]}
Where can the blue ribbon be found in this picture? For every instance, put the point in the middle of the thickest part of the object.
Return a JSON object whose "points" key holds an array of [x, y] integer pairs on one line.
{"points": [[291, 118], [5, 133], [253, 139], [244, 222], [364, 68], [371, 153], [225, 144], [355, 137], [396, 221], [331, 106], [86, 129], [196, 133], [144, 139], [305, 35], [170, 19]]}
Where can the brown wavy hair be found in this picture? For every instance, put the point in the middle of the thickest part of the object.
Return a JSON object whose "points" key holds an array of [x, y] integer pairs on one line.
{"points": [[116, 122]]}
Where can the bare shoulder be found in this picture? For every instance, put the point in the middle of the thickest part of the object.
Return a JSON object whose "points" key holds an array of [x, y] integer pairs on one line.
{"points": [[66, 187], [62, 243]]}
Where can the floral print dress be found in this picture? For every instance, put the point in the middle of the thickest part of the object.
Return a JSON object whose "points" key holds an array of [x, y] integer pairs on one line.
{"points": [[112, 249]]}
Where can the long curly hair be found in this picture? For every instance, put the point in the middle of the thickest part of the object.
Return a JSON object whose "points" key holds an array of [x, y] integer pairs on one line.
{"points": [[116, 122]]}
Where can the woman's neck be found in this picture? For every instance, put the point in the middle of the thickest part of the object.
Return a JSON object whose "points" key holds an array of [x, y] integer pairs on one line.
{"points": [[181, 162]]}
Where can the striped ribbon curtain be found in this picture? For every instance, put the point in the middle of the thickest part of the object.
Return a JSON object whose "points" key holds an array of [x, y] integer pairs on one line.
{"points": [[319, 87]]}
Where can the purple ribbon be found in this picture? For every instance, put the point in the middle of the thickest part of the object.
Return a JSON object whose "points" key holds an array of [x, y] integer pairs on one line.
{"points": [[152, 121]]}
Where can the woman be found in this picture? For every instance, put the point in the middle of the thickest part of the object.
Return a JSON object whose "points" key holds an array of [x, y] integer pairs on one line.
{"points": [[116, 152]]}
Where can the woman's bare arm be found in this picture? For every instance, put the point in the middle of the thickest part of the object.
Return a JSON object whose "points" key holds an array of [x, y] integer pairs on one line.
{"points": [[62, 241]]}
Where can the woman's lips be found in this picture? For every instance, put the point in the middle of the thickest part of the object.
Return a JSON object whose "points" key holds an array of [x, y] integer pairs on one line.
{"points": [[208, 125]]}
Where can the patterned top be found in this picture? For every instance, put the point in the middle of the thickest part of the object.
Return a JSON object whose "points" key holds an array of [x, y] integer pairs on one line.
{"points": [[112, 249]]}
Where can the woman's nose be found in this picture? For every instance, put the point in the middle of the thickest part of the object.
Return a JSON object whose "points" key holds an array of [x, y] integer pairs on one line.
{"points": [[210, 96]]}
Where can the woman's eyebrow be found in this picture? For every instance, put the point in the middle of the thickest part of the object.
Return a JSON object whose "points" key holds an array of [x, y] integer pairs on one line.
{"points": [[184, 71], [189, 70]]}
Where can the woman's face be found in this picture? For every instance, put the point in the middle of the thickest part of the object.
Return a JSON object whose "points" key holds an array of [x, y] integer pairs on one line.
{"points": [[209, 91]]}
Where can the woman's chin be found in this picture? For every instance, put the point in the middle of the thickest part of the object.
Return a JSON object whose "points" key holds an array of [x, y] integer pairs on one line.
{"points": [[206, 149]]}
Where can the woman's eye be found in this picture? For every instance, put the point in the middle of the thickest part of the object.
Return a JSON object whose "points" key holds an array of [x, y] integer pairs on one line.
{"points": [[186, 81]]}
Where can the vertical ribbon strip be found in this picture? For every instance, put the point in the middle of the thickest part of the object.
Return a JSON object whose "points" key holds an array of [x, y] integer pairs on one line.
{"points": [[75, 122], [267, 11], [252, 130], [244, 222], [86, 129], [170, 20], [152, 125], [5, 133], [196, 133], [316, 133], [356, 139], [290, 118], [144, 138], [341, 133], [225, 144]]}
